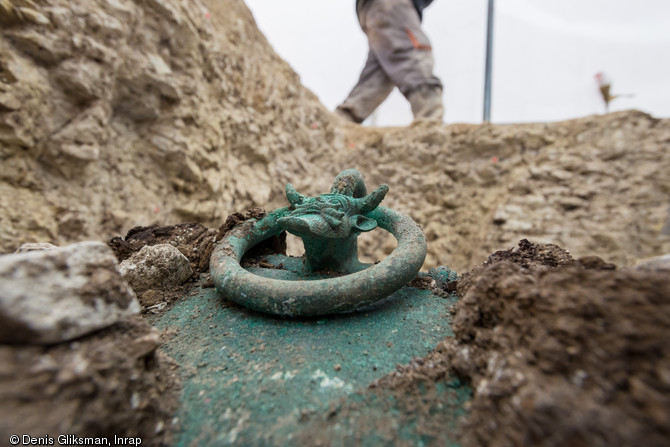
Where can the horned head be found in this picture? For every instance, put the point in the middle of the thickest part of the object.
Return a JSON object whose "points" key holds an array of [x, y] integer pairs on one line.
{"points": [[331, 215]]}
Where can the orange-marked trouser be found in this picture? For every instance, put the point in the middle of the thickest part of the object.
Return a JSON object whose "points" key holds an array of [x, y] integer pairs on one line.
{"points": [[400, 55]]}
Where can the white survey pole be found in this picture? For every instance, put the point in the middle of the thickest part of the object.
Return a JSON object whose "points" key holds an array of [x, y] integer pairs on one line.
{"points": [[489, 64]]}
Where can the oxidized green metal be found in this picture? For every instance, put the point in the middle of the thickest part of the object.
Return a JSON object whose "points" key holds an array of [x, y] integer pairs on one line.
{"points": [[329, 225]]}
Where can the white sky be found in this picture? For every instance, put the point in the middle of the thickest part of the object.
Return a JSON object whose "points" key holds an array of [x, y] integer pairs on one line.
{"points": [[546, 53]]}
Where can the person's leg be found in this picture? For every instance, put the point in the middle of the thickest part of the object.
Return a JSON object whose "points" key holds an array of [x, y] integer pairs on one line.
{"points": [[426, 102], [404, 53], [372, 89]]}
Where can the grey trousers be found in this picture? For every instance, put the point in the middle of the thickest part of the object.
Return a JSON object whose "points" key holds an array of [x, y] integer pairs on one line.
{"points": [[399, 55]]}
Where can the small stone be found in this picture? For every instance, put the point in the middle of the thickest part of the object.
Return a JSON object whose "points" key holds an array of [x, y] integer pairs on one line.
{"points": [[157, 308], [144, 345], [337, 367], [83, 152], [156, 267], [83, 79], [58, 294]]}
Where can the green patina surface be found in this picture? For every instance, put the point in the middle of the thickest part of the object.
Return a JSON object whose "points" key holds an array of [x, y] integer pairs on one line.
{"points": [[252, 379]]}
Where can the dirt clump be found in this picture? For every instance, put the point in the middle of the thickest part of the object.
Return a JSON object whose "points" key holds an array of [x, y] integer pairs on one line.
{"points": [[556, 353], [193, 240], [113, 382], [529, 256]]}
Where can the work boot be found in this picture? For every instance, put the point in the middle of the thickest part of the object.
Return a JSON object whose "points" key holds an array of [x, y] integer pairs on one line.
{"points": [[347, 115], [426, 102]]}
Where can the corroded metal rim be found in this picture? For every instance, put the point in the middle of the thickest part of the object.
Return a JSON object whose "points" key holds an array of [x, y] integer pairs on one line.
{"points": [[317, 297]]}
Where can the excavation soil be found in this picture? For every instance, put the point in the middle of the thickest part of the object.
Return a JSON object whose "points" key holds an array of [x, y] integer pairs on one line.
{"points": [[111, 383], [103, 129], [558, 351]]}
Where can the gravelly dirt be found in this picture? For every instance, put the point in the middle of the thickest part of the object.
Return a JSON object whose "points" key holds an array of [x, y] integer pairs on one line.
{"points": [[558, 352]]}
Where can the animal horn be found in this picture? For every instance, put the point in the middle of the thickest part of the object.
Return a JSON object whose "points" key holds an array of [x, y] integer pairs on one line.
{"points": [[350, 183], [293, 196], [372, 200]]}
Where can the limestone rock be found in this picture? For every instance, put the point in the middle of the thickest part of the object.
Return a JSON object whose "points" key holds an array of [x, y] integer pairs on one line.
{"points": [[149, 110], [596, 185], [84, 79], [156, 266], [54, 295]]}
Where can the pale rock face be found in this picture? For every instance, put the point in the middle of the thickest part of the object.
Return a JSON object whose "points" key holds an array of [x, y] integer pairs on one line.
{"points": [[596, 185], [49, 296], [118, 113], [121, 113], [156, 266]]}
